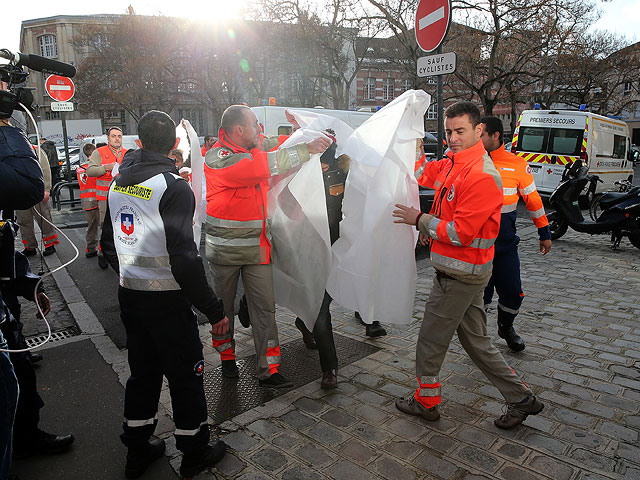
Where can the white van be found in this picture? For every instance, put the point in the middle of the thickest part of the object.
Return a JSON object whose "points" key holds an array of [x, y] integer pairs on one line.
{"points": [[274, 121], [549, 139]]}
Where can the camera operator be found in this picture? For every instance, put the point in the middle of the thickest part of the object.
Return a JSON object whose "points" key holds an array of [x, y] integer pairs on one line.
{"points": [[21, 187]]}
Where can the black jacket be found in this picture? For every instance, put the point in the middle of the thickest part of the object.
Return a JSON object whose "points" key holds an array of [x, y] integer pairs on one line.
{"points": [[176, 209], [21, 180], [52, 153]]}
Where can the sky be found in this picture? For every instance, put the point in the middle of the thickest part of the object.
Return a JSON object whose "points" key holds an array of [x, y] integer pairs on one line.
{"points": [[619, 16]]}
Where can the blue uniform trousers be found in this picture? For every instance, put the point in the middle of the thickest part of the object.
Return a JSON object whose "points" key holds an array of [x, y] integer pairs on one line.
{"points": [[505, 279]]}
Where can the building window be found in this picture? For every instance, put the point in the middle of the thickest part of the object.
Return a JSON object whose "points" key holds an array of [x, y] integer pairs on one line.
{"points": [[407, 84], [52, 115], [187, 87], [432, 113], [48, 47], [100, 41], [194, 116], [387, 89], [370, 88], [627, 88]]}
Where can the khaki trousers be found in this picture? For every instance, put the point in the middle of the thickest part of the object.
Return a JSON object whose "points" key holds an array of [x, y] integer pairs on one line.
{"points": [[454, 306], [27, 230], [258, 288], [93, 222], [102, 209]]}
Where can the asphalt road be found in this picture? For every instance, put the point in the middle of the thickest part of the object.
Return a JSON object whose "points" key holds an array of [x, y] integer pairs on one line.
{"points": [[100, 287]]}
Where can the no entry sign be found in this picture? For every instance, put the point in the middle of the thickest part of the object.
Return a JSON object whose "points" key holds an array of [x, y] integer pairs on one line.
{"points": [[432, 23], [61, 89]]}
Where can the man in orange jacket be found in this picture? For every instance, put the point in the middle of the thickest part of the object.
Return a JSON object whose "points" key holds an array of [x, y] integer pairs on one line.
{"points": [[238, 231], [101, 163], [208, 144], [517, 181], [462, 227]]}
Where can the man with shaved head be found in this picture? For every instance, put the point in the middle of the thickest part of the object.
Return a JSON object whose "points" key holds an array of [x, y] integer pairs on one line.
{"points": [[238, 231]]}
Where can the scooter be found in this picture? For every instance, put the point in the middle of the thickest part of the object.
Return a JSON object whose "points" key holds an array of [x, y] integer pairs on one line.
{"points": [[620, 211]]}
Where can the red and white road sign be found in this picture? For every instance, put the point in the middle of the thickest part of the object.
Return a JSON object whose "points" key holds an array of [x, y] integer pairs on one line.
{"points": [[432, 23], [61, 89]]}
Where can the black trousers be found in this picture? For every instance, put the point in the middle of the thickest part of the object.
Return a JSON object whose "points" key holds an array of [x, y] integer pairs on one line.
{"points": [[323, 335], [163, 339], [25, 425]]}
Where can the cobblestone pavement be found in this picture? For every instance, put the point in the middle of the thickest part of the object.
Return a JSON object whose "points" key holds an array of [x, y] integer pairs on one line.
{"points": [[580, 320]]}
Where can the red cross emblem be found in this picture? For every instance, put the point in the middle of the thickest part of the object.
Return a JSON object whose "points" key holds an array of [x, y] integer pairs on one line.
{"points": [[549, 171], [223, 153]]}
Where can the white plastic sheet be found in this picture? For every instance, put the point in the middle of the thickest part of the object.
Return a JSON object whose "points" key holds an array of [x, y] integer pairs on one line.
{"points": [[373, 266], [300, 228], [189, 144], [374, 269]]}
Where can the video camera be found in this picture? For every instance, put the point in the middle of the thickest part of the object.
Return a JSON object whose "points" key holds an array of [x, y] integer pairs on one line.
{"points": [[13, 74]]}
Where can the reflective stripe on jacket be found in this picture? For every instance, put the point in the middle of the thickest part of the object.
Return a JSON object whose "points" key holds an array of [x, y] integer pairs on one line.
{"points": [[238, 231], [139, 235], [517, 181], [107, 156], [466, 213]]}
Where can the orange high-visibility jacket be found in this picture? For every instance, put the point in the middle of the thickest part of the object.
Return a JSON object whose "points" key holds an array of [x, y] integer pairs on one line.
{"points": [[238, 231], [517, 181], [87, 189], [107, 156], [466, 213]]}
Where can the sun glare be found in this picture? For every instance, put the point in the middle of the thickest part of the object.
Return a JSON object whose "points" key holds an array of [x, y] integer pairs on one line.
{"points": [[216, 11]]}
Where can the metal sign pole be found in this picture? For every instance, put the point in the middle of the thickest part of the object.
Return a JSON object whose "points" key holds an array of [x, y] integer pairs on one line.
{"points": [[63, 116], [440, 113]]}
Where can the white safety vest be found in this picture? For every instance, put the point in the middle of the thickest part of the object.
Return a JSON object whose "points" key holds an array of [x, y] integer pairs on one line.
{"points": [[139, 235]]}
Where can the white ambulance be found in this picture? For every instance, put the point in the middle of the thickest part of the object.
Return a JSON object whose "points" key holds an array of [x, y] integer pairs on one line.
{"points": [[549, 139], [274, 121]]}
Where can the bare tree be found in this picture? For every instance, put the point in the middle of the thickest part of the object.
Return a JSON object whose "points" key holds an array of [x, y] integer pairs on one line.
{"points": [[133, 63], [598, 70], [329, 34]]}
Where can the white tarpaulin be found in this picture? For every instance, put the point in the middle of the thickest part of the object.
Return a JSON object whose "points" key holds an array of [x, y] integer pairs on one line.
{"points": [[373, 268], [189, 144], [300, 228]]}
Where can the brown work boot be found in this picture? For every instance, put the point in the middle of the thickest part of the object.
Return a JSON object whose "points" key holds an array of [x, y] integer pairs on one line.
{"points": [[329, 379], [411, 406], [518, 412]]}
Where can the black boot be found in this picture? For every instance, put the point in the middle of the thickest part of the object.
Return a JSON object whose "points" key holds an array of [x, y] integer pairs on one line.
{"points": [[230, 369], [195, 462], [307, 336], [139, 459], [513, 340], [374, 330], [43, 444]]}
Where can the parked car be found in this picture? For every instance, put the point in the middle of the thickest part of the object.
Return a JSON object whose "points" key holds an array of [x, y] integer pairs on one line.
{"points": [[430, 145], [635, 154], [74, 157]]}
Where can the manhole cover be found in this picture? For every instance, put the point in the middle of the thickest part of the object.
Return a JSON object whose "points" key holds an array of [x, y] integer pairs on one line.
{"points": [[228, 397]]}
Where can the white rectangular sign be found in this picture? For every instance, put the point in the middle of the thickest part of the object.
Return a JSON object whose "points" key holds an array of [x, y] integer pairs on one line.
{"points": [[439, 64], [62, 106]]}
